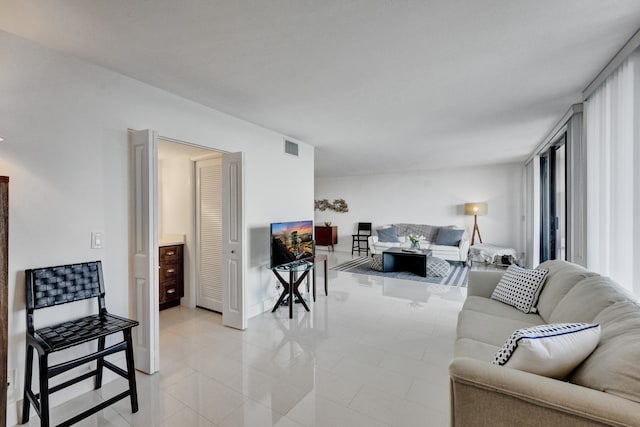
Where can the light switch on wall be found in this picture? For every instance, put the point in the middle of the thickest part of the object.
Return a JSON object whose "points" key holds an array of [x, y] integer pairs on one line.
{"points": [[97, 241]]}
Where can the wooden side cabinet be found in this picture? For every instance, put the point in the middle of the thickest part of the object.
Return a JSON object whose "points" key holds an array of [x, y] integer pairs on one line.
{"points": [[171, 276], [326, 236]]}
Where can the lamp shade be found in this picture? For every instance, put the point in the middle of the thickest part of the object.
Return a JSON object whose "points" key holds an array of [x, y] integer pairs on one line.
{"points": [[475, 208]]}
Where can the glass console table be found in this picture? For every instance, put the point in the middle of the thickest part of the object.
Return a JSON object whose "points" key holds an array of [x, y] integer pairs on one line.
{"points": [[297, 274]]}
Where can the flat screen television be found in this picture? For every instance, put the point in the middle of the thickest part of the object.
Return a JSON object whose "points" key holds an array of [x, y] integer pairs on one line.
{"points": [[291, 242]]}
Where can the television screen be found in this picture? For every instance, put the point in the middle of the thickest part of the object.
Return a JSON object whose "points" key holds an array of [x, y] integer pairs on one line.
{"points": [[291, 241]]}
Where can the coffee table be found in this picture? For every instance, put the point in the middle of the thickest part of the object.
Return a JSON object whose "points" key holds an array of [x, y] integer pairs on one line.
{"points": [[397, 259]]}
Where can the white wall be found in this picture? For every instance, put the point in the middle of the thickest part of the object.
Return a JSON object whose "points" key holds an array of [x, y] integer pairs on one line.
{"points": [[175, 196], [65, 122], [430, 197]]}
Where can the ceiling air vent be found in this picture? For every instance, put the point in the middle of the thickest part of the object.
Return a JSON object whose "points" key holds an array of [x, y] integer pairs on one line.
{"points": [[291, 148]]}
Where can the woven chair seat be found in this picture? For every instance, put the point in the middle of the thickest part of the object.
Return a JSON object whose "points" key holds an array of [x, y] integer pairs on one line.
{"points": [[74, 332]]}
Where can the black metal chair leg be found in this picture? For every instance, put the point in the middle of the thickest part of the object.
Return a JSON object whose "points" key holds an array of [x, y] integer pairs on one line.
{"points": [[44, 389], [28, 374], [99, 364], [131, 370]]}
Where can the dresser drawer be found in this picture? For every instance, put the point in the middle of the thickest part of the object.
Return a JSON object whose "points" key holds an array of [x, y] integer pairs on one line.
{"points": [[171, 253], [169, 271], [169, 292]]}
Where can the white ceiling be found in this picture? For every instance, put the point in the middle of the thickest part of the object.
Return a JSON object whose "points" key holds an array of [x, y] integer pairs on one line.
{"points": [[374, 85]]}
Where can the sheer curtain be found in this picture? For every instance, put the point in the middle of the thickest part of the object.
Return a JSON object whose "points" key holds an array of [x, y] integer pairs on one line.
{"points": [[612, 115]]}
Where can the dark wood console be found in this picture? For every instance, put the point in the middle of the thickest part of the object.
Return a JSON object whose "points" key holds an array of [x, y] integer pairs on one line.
{"points": [[171, 276], [326, 236]]}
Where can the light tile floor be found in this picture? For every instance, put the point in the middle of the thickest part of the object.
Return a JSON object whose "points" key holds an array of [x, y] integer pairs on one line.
{"points": [[373, 353]]}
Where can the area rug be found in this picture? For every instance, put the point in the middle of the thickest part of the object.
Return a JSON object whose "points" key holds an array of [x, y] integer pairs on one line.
{"points": [[457, 275]]}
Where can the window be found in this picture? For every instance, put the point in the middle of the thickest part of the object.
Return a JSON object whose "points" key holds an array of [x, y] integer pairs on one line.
{"points": [[553, 201]]}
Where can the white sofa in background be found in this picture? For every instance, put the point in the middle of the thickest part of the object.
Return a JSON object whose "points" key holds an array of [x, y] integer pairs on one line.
{"points": [[602, 391], [429, 233]]}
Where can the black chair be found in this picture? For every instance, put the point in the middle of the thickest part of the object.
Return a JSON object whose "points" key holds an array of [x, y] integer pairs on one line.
{"points": [[364, 231], [51, 286]]}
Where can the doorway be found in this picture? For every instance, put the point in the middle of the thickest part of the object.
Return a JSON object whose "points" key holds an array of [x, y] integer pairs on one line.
{"points": [[190, 213], [144, 243]]}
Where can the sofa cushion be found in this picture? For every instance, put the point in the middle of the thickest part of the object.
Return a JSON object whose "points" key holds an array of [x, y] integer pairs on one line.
{"points": [[492, 329], [449, 236], [427, 231], [520, 287], [439, 250], [499, 309], [586, 299], [561, 278], [556, 287], [613, 366], [380, 244], [555, 265], [389, 234], [468, 347], [550, 350]]}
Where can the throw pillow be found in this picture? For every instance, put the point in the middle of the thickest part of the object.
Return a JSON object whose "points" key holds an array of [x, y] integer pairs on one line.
{"points": [[388, 234], [437, 267], [550, 350], [520, 287], [449, 236], [376, 263]]}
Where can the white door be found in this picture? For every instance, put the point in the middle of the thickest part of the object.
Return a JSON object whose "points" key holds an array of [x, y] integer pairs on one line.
{"points": [[233, 313], [143, 242], [209, 234]]}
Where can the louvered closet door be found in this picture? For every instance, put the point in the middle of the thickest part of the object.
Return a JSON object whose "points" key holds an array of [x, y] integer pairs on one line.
{"points": [[209, 233]]}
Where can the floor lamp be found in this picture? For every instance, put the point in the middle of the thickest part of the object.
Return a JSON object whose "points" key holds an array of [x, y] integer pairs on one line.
{"points": [[475, 209]]}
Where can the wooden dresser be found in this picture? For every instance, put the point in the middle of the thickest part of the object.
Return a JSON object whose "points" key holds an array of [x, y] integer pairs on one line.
{"points": [[326, 236], [171, 275]]}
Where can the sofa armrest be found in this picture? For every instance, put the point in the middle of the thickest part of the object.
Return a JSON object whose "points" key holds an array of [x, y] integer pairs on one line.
{"points": [[483, 394], [482, 283], [372, 240], [464, 245]]}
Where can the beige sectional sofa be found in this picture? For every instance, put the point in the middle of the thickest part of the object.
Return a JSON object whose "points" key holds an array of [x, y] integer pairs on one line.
{"points": [[603, 390]]}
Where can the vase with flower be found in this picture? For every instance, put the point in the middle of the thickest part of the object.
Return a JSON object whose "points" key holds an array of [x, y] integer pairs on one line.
{"points": [[415, 242]]}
